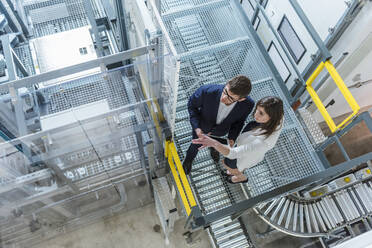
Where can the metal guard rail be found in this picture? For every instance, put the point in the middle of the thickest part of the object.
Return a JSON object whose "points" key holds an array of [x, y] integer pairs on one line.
{"points": [[179, 177], [344, 91]]}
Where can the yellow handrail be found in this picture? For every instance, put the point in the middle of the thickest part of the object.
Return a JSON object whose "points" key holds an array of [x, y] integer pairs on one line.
{"points": [[179, 176], [344, 91], [182, 174]]}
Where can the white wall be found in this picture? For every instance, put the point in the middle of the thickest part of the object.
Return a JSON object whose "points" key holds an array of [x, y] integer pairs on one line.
{"points": [[357, 41], [325, 15]]}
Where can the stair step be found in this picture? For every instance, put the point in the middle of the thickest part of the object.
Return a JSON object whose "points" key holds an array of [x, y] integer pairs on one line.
{"points": [[224, 221], [205, 177], [217, 205], [227, 228], [240, 244], [228, 235], [217, 198], [228, 243]]}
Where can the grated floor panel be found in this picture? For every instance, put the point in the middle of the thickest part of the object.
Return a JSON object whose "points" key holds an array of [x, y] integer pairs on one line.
{"points": [[53, 16]]}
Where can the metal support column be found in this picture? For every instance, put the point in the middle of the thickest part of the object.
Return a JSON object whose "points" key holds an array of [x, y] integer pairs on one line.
{"points": [[282, 45], [121, 17], [11, 23], [12, 73], [18, 13], [309, 27], [90, 13]]}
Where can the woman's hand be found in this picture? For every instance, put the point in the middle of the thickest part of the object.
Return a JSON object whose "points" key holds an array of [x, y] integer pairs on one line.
{"points": [[205, 141]]}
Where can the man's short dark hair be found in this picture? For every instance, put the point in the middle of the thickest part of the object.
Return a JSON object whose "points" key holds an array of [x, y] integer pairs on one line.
{"points": [[240, 85]]}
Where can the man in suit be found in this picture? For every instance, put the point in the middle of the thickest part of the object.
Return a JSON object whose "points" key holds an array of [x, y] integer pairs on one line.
{"points": [[218, 110]]}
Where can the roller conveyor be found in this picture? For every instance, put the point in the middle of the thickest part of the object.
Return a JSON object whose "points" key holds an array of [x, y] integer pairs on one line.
{"points": [[322, 215]]}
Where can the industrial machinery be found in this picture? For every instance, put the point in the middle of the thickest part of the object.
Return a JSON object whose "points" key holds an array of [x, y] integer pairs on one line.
{"points": [[102, 125]]}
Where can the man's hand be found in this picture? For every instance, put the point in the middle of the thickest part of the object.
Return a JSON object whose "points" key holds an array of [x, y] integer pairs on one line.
{"points": [[205, 141], [199, 132], [231, 142]]}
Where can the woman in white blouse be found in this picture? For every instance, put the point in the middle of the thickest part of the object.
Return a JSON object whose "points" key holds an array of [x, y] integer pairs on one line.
{"points": [[255, 140]]}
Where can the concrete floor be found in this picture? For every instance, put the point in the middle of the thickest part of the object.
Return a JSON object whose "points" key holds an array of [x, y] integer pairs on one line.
{"points": [[137, 228], [357, 141], [134, 229]]}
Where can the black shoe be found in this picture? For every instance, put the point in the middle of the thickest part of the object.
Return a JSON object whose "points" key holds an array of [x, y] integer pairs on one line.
{"points": [[224, 174], [215, 155], [229, 180], [187, 166]]}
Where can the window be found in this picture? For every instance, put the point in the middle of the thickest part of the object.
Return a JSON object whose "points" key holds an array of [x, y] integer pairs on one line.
{"points": [[291, 40], [278, 62], [248, 7], [83, 50]]}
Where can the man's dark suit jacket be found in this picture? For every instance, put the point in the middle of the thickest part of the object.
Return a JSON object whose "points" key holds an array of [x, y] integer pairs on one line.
{"points": [[203, 107]]}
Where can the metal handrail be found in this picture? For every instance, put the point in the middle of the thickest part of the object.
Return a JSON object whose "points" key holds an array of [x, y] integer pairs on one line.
{"points": [[344, 90], [179, 177]]}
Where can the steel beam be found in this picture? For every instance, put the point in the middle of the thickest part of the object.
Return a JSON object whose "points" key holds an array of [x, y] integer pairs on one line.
{"points": [[19, 16], [121, 17], [10, 20], [90, 13], [110, 59], [283, 46], [8, 55], [264, 53], [332, 38], [30, 138], [97, 142], [26, 179], [19, 64], [326, 55]]}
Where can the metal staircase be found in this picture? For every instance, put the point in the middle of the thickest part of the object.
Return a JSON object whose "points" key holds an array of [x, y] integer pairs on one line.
{"points": [[213, 49]]}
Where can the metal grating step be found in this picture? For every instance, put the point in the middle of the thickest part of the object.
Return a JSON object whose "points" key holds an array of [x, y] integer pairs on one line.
{"points": [[224, 229], [239, 239]]}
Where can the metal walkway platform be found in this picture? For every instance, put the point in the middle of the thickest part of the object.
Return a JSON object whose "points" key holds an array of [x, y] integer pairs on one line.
{"points": [[213, 49], [50, 17]]}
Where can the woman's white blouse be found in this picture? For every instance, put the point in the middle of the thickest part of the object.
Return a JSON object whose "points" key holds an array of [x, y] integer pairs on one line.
{"points": [[251, 147]]}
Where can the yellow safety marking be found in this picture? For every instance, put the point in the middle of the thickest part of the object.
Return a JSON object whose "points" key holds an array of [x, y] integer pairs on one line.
{"points": [[160, 114], [344, 91], [347, 179], [179, 185], [368, 171], [157, 126], [182, 174], [166, 148]]}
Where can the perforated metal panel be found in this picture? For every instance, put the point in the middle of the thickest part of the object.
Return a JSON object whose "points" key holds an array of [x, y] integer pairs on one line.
{"points": [[88, 89], [24, 54], [49, 17]]}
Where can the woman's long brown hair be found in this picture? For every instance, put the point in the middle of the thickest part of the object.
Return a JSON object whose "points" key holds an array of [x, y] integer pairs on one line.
{"points": [[273, 106]]}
